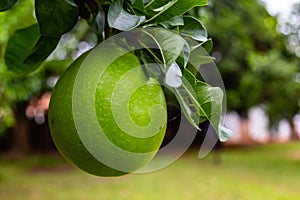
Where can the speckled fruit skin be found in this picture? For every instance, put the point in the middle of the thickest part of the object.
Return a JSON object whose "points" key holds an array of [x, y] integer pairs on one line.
{"points": [[62, 125]]}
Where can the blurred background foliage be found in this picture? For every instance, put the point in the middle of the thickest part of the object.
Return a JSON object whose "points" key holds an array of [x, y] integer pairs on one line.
{"points": [[253, 58], [15, 90], [257, 57]]}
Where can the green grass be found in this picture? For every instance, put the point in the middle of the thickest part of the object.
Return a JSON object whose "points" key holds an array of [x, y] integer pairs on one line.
{"points": [[264, 172]]}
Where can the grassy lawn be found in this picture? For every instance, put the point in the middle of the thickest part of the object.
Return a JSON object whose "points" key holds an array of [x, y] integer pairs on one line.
{"points": [[264, 172]]}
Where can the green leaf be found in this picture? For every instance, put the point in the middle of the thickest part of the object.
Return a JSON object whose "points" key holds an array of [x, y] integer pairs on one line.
{"points": [[164, 10], [176, 21], [57, 66], [27, 49], [202, 102], [56, 17], [207, 45], [224, 133], [119, 19], [42, 50], [7, 4], [100, 21], [210, 99], [200, 56], [19, 45], [188, 102], [184, 57], [170, 44], [138, 6], [173, 76], [190, 76], [155, 8], [152, 69], [187, 98], [193, 28], [156, 5]]}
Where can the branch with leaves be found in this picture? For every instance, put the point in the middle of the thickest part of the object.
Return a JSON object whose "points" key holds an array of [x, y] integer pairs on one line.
{"points": [[181, 37]]}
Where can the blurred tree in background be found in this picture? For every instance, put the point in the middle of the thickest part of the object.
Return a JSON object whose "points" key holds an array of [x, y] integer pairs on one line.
{"points": [[14, 88], [255, 64], [17, 91], [291, 30]]}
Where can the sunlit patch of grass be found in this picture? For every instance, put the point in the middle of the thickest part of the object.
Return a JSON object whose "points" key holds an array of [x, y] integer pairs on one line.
{"points": [[264, 172]]}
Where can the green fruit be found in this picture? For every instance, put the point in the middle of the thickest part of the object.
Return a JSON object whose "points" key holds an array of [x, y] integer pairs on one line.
{"points": [[129, 111]]}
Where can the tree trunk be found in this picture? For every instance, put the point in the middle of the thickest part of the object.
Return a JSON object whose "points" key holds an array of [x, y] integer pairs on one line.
{"points": [[246, 139], [294, 133], [20, 131]]}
